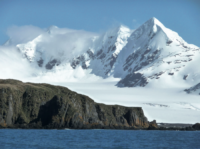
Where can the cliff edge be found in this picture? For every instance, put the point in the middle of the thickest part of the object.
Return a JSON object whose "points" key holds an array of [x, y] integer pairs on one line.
{"points": [[30, 105]]}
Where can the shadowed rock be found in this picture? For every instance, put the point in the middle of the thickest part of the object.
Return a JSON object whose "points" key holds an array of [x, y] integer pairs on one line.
{"points": [[196, 126], [52, 63], [40, 62], [153, 125], [132, 80], [185, 77], [29, 105]]}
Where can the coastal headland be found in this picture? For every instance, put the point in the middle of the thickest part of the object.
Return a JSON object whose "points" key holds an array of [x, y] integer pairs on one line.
{"points": [[44, 106]]}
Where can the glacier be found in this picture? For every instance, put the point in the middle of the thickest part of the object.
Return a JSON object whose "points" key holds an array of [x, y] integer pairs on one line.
{"points": [[151, 67]]}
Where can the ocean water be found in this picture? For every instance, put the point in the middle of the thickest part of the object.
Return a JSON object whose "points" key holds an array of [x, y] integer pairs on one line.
{"points": [[106, 139]]}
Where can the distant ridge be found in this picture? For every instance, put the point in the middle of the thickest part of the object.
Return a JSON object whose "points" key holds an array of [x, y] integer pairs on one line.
{"points": [[151, 53]]}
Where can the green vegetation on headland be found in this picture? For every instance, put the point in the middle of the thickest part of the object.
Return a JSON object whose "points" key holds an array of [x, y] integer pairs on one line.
{"points": [[44, 106]]}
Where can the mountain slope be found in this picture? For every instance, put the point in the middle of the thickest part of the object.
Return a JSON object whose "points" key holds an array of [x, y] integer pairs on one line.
{"points": [[101, 57], [55, 46], [155, 62], [148, 55], [153, 52]]}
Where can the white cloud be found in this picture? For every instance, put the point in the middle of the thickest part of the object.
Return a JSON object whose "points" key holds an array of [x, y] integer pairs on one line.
{"points": [[52, 42], [13, 65], [66, 42], [22, 34]]}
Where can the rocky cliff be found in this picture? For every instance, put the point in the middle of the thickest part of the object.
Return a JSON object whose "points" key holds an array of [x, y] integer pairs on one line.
{"points": [[29, 105]]}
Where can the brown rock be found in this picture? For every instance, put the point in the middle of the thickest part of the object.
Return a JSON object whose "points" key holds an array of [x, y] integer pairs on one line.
{"points": [[153, 125], [30, 105]]}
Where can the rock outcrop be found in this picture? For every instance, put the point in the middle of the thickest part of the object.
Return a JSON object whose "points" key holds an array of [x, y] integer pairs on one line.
{"points": [[29, 105], [196, 126], [153, 125]]}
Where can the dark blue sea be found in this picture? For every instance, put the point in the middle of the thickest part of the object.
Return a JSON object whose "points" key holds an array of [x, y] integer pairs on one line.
{"points": [[106, 139]]}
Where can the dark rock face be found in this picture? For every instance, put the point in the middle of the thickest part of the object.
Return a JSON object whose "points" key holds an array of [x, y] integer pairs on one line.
{"points": [[196, 126], [193, 89], [40, 62], [153, 125], [29, 105], [185, 77], [52, 63], [132, 80], [79, 61], [107, 59], [90, 54]]}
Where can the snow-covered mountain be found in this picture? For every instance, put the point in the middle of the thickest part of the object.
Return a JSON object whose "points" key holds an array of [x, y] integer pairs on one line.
{"points": [[152, 53], [102, 55], [154, 61]]}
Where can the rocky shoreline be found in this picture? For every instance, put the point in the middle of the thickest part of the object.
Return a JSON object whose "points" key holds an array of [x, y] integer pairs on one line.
{"points": [[195, 127], [44, 106]]}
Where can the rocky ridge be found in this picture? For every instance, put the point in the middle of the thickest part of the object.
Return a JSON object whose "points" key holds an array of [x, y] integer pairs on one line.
{"points": [[44, 106], [146, 55], [194, 89], [154, 52], [29, 105]]}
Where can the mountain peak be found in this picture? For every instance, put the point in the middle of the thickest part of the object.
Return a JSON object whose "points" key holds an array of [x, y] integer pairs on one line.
{"points": [[152, 27], [153, 21], [149, 28], [119, 30], [123, 28]]}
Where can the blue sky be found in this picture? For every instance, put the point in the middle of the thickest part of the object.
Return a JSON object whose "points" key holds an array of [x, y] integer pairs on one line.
{"points": [[182, 16]]}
